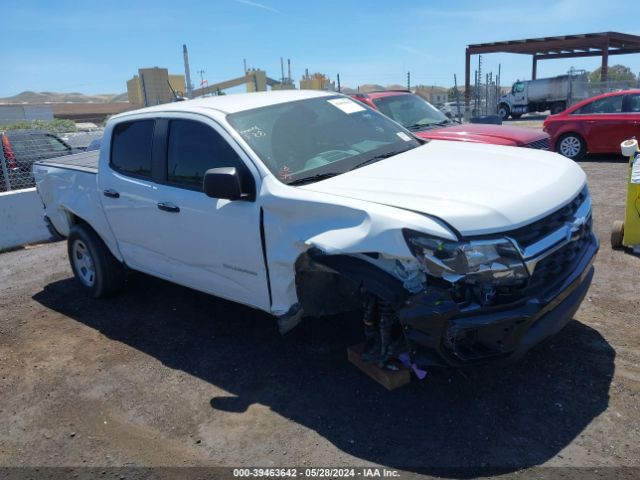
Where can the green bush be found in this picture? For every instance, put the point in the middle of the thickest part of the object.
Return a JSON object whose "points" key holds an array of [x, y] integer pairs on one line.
{"points": [[54, 126]]}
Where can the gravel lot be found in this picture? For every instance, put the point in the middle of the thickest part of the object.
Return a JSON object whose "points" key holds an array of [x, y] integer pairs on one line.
{"points": [[164, 376]]}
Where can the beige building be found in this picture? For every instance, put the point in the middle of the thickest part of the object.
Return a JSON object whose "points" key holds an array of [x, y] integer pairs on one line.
{"points": [[317, 81], [151, 87], [432, 94], [257, 81]]}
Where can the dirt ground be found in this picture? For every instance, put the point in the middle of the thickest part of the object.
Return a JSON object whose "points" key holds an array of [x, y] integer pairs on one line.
{"points": [[160, 375]]}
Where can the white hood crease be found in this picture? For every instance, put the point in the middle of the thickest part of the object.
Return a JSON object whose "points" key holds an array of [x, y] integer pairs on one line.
{"points": [[477, 189]]}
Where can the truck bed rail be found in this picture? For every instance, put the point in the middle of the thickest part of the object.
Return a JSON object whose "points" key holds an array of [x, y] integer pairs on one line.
{"points": [[84, 161]]}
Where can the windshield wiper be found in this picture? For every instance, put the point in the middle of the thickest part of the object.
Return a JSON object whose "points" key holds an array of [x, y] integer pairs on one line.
{"points": [[313, 178], [377, 157], [420, 126]]}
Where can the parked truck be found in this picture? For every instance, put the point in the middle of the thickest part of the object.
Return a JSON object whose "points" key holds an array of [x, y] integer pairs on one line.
{"points": [[553, 94], [307, 203]]}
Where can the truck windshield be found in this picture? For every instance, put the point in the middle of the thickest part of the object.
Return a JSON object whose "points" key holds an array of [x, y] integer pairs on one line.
{"points": [[411, 111], [308, 140]]}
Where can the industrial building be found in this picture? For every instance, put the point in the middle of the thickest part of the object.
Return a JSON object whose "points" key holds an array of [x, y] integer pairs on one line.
{"points": [[433, 94], [16, 113], [153, 86], [317, 81]]}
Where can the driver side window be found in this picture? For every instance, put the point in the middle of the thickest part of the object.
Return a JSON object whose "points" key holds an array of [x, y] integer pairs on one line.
{"points": [[602, 106], [195, 147]]}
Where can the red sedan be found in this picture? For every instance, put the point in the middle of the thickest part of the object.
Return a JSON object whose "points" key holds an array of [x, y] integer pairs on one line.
{"points": [[426, 121], [595, 125]]}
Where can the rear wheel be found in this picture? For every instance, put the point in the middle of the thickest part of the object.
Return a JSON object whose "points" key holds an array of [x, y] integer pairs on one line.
{"points": [[96, 269], [556, 108], [617, 233], [516, 116], [572, 146]]}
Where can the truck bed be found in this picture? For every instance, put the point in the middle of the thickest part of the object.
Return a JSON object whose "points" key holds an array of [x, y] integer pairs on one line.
{"points": [[84, 161]]}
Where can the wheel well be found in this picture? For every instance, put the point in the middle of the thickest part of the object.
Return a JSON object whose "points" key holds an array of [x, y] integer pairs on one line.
{"points": [[76, 220], [328, 284]]}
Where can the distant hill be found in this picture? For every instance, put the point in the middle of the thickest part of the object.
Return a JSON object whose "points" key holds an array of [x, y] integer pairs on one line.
{"points": [[53, 97], [371, 87]]}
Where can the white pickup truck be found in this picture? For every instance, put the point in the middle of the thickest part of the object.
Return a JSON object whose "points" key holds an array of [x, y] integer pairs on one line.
{"points": [[308, 204]]}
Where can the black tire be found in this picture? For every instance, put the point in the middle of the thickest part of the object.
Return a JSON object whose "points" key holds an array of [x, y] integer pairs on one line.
{"points": [[97, 271], [504, 111], [556, 108], [516, 116], [617, 234], [572, 146]]}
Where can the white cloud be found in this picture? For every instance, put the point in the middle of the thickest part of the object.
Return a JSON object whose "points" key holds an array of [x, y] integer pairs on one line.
{"points": [[257, 5]]}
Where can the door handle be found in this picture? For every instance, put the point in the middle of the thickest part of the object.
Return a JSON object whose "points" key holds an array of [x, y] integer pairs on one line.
{"points": [[591, 121], [168, 207], [111, 193]]}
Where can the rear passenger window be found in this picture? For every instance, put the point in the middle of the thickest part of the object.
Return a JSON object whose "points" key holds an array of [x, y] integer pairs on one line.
{"points": [[608, 105], [193, 149], [634, 103], [131, 147]]}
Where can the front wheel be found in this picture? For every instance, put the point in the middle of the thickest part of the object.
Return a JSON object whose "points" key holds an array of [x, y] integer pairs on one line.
{"points": [[96, 269], [504, 111], [572, 146]]}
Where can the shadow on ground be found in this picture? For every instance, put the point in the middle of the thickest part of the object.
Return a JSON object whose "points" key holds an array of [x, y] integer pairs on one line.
{"points": [[497, 419]]}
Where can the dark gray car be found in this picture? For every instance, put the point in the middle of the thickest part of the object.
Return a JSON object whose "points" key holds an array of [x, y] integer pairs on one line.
{"points": [[20, 148]]}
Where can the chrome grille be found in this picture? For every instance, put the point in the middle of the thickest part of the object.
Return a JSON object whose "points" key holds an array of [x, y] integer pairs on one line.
{"points": [[532, 233], [542, 144], [555, 266]]}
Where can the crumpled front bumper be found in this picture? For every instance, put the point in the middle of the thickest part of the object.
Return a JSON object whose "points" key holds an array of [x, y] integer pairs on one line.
{"points": [[438, 333]]}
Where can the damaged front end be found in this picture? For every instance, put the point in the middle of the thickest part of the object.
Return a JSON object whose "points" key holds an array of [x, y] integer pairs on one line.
{"points": [[461, 302]]}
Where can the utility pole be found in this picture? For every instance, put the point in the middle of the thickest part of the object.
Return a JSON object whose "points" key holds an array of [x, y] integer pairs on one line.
{"points": [[202, 72], [408, 80], [479, 86], [455, 86], [144, 90], [338, 77]]}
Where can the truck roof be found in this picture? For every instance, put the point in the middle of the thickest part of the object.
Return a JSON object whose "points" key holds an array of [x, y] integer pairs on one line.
{"points": [[233, 103]]}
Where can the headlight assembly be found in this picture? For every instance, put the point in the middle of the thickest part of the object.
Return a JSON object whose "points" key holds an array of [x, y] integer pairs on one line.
{"points": [[493, 261]]}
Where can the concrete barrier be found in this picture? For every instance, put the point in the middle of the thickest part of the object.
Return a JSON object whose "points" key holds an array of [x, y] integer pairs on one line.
{"points": [[21, 218]]}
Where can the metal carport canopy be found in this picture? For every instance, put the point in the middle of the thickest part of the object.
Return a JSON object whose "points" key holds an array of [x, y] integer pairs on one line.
{"points": [[566, 46]]}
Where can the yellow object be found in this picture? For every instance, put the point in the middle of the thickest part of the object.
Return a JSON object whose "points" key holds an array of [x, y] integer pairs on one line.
{"points": [[632, 218]]}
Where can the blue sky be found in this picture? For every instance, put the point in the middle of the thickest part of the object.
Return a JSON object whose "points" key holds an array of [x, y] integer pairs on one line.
{"points": [[94, 47]]}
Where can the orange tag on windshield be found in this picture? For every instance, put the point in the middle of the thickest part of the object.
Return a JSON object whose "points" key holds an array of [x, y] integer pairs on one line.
{"points": [[285, 173]]}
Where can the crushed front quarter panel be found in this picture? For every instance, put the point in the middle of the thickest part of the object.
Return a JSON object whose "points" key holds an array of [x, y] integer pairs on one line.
{"points": [[297, 220]]}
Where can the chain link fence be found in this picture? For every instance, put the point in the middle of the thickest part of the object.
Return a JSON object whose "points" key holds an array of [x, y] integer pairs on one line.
{"points": [[591, 89], [486, 91], [21, 148]]}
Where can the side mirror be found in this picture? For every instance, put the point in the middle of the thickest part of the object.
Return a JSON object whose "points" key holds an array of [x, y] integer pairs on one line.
{"points": [[222, 182]]}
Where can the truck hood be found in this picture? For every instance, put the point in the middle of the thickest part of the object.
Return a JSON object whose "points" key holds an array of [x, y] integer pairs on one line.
{"points": [[481, 133], [476, 189]]}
